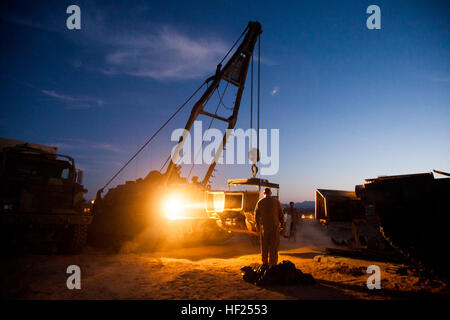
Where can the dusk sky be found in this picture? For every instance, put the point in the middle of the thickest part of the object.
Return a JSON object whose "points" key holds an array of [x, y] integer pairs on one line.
{"points": [[350, 103]]}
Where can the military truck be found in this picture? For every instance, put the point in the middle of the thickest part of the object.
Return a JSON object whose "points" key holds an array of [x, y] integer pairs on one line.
{"points": [[41, 198], [235, 210]]}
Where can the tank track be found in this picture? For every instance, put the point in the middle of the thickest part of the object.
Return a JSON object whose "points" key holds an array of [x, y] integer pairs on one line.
{"points": [[423, 269], [405, 253]]}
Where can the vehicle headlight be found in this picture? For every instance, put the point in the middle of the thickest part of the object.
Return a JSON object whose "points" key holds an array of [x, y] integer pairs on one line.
{"points": [[219, 202], [215, 202]]}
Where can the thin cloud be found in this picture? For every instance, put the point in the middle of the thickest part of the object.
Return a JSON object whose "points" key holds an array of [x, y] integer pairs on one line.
{"points": [[141, 48], [75, 102], [165, 55], [105, 146], [81, 144], [72, 102], [53, 94]]}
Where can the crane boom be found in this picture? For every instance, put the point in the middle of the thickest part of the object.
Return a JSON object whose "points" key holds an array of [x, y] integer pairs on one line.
{"points": [[235, 73]]}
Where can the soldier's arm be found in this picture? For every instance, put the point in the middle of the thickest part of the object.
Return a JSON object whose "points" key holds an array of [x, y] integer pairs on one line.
{"points": [[257, 215]]}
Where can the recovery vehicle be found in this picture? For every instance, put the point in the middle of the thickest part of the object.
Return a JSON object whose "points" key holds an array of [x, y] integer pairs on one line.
{"points": [[167, 206]]}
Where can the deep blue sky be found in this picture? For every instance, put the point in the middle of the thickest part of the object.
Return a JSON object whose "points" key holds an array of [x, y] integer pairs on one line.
{"points": [[352, 103]]}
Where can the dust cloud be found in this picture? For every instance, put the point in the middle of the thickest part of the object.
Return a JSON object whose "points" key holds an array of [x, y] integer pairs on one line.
{"points": [[186, 234]]}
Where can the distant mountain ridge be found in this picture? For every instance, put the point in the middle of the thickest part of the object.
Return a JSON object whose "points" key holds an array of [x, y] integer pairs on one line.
{"points": [[302, 205]]}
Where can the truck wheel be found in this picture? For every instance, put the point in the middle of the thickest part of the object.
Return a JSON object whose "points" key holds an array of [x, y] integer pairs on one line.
{"points": [[75, 239]]}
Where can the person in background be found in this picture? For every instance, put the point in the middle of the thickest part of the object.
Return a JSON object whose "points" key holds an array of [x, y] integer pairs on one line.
{"points": [[293, 213], [269, 221]]}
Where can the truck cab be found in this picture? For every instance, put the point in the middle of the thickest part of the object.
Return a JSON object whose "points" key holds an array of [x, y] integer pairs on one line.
{"points": [[41, 189]]}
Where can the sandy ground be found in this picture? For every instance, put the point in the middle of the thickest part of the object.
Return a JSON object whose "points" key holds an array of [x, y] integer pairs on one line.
{"points": [[207, 272]]}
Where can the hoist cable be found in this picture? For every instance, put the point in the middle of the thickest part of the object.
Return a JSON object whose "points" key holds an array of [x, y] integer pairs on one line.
{"points": [[236, 42], [259, 91], [221, 97], [165, 162], [151, 138], [251, 102]]}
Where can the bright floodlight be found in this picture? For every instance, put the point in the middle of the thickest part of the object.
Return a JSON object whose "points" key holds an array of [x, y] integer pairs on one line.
{"points": [[173, 207]]}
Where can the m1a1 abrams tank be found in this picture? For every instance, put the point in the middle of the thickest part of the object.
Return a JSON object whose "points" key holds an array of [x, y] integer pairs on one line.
{"points": [[414, 214]]}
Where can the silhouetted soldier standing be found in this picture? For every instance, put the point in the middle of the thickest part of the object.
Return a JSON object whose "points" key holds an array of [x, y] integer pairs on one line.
{"points": [[292, 212], [269, 218]]}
